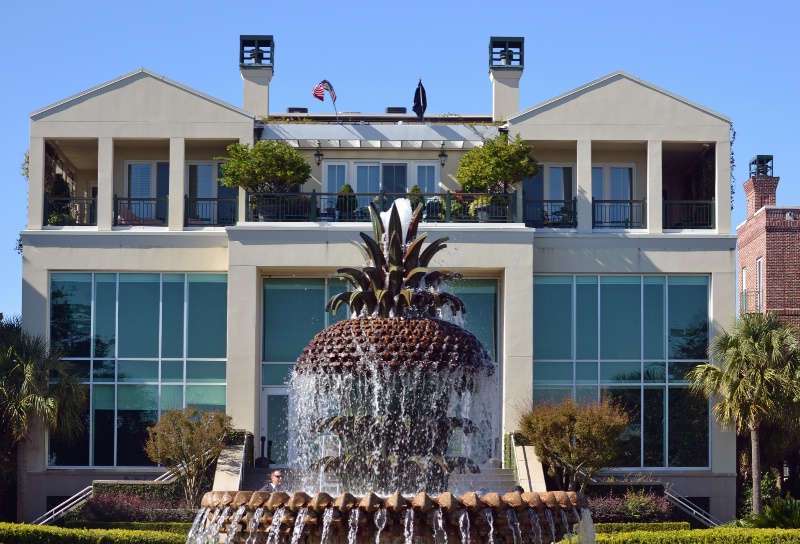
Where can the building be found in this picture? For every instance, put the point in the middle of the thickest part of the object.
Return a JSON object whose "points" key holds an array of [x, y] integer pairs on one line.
{"points": [[767, 245], [605, 274]]}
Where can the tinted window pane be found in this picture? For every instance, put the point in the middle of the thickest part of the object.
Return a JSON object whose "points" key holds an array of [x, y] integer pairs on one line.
{"points": [[551, 395], [550, 372], [172, 371], [137, 409], [480, 298], [654, 426], [620, 317], [629, 398], [105, 314], [139, 306], [67, 453], [293, 314], [104, 371], [172, 290], [208, 315], [585, 372], [654, 316], [688, 317], [552, 317], [206, 397], [614, 371], [104, 425], [138, 371], [336, 286], [586, 317], [277, 425], [71, 312], [276, 373], [171, 397], [654, 372], [688, 429], [205, 371]]}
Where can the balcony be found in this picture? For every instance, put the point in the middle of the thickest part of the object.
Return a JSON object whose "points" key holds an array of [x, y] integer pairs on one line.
{"points": [[133, 212], [551, 213], [688, 214], [751, 301], [618, 214], [438, 207], [70, 211], [210, 212]]}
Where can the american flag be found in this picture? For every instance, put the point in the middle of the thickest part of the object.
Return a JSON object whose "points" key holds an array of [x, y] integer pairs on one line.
{"points": [[322, 86]]}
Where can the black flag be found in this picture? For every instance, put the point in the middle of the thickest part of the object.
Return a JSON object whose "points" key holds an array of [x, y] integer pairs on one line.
{"points": [[420, 101]]}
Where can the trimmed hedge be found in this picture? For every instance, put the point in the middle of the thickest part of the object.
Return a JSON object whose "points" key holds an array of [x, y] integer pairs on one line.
{"points": [[720, 535], [16, 533], [650, 527], [163, 527]]}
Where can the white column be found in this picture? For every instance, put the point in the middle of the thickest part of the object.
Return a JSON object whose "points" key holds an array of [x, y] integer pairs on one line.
{"points": [[243, 371], [584, 178], [242, 192], [655, 200], [722, 203], [105, 183], [177, 185], [36, 184]]}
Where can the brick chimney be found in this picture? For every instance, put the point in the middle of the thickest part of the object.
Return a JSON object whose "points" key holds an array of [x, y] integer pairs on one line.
{"points": [[506, 61], [256, 57], [760, 189]]}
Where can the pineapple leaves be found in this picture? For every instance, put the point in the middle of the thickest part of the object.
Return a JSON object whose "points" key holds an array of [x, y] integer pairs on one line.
{"points": [[412, 253], [415, 219], [431, 250]]}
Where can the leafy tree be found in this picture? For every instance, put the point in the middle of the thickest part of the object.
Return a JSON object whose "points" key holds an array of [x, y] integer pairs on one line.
{"points": [[753, 372], [270, 166], [191, 439], [35, 385], [574, 441], [497, 164]]}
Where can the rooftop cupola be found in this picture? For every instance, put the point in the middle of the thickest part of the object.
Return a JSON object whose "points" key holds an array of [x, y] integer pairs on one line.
{"points": [[256, 58], [762, 186], [506, 61]]}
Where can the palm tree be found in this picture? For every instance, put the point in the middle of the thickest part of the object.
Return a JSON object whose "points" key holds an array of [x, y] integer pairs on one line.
{"points": [[35, 385], [753, 372]]}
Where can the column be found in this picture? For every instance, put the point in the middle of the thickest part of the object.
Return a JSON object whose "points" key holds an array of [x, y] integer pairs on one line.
{"points": [[584, 176], [655, 200], [105, 183], [722, 202], [36, 184], [177, 185]]}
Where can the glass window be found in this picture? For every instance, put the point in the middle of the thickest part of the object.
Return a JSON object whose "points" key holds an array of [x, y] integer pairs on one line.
{"points": [[629, 399], [620, 316], [552, 317], [293, 314], [654, 310], [137, 409], [560, 186], [688, 317], [426, 178], [395, 178], [205, 371], [138, 371], [336, 177], [105, 312], [654, 426], [172, 308], [206, 397], [586, 318], [277, 427], [368, 178], [552, 372], [71, 313], [139, 308], [207, 315], [621, 183], [104, 425], [480, 298], [688, 429], [139, 180]]}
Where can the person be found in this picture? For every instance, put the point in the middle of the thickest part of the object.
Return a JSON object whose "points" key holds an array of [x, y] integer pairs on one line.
{"points": [[518, 489], [276, 481]]}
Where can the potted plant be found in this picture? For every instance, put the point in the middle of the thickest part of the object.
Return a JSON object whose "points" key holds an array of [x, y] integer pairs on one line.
{"points": [[415, 197], [346, 202]]}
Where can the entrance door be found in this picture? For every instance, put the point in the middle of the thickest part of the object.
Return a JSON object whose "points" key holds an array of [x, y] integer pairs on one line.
{"points": [[275, 426]]}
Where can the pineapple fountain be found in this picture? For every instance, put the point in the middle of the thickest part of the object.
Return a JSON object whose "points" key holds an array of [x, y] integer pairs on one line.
{"points": [[387, 405]]}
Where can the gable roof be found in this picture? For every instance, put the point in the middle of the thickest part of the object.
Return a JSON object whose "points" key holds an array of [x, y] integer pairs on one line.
{"points": [[619, 74], [133, 75]]}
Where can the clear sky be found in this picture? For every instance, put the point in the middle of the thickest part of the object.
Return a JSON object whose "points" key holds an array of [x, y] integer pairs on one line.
{"points": [[737, 58]]}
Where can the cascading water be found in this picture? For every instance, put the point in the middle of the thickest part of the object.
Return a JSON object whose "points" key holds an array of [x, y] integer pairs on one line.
{"points": [[326, 525], [536, 528], [513, 523], [379, 518], [299, 524], [237, 517], [252, 525]]}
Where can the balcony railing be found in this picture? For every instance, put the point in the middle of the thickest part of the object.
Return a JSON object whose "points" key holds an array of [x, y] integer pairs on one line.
{"points": [[70, 211], [751, 301], [215, 212], [140, 211], [688, 214], [618, 214], [551, 213], [438, 207]]}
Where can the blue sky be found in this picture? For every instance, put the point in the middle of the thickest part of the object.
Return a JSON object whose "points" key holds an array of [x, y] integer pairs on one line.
{"points": [[737, 58]]}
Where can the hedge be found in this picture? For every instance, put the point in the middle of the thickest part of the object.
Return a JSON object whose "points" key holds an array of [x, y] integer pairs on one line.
{"points": [[650, 527], [720, 535], [16, 533], [164, 527]]}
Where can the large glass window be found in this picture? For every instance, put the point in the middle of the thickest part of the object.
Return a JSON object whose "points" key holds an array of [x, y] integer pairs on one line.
{"points": [[634, 338], [132, 334], [426, 178]]}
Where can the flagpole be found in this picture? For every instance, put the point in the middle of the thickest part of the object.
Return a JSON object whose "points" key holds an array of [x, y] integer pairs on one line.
{"points": [[335, 110]]}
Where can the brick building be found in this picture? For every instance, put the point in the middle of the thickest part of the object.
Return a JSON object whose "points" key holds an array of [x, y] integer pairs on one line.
{"points": [[768, 245]]}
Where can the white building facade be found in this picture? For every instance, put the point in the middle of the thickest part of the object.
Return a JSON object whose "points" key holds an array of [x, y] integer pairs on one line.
{"points": [[606, 274]]}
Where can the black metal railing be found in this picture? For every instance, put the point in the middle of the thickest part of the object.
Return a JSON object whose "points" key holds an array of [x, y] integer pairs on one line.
{"points": [[446, 207], [688, 214], [215, 212], [618, 214], [140, 211], [551, 213], [751, 301], [70, 211]]}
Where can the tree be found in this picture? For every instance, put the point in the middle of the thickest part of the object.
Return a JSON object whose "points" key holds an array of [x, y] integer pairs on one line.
{"points": [[271, 166], [753, 371], [35, 385], [191, 439], [574, 441], [497, 164]]}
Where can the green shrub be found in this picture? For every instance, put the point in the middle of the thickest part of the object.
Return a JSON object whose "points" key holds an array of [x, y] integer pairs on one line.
{"points": [[720, 535], [632, 507], [15, 533], [162, 527], [781, 514], [650, 527]]}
